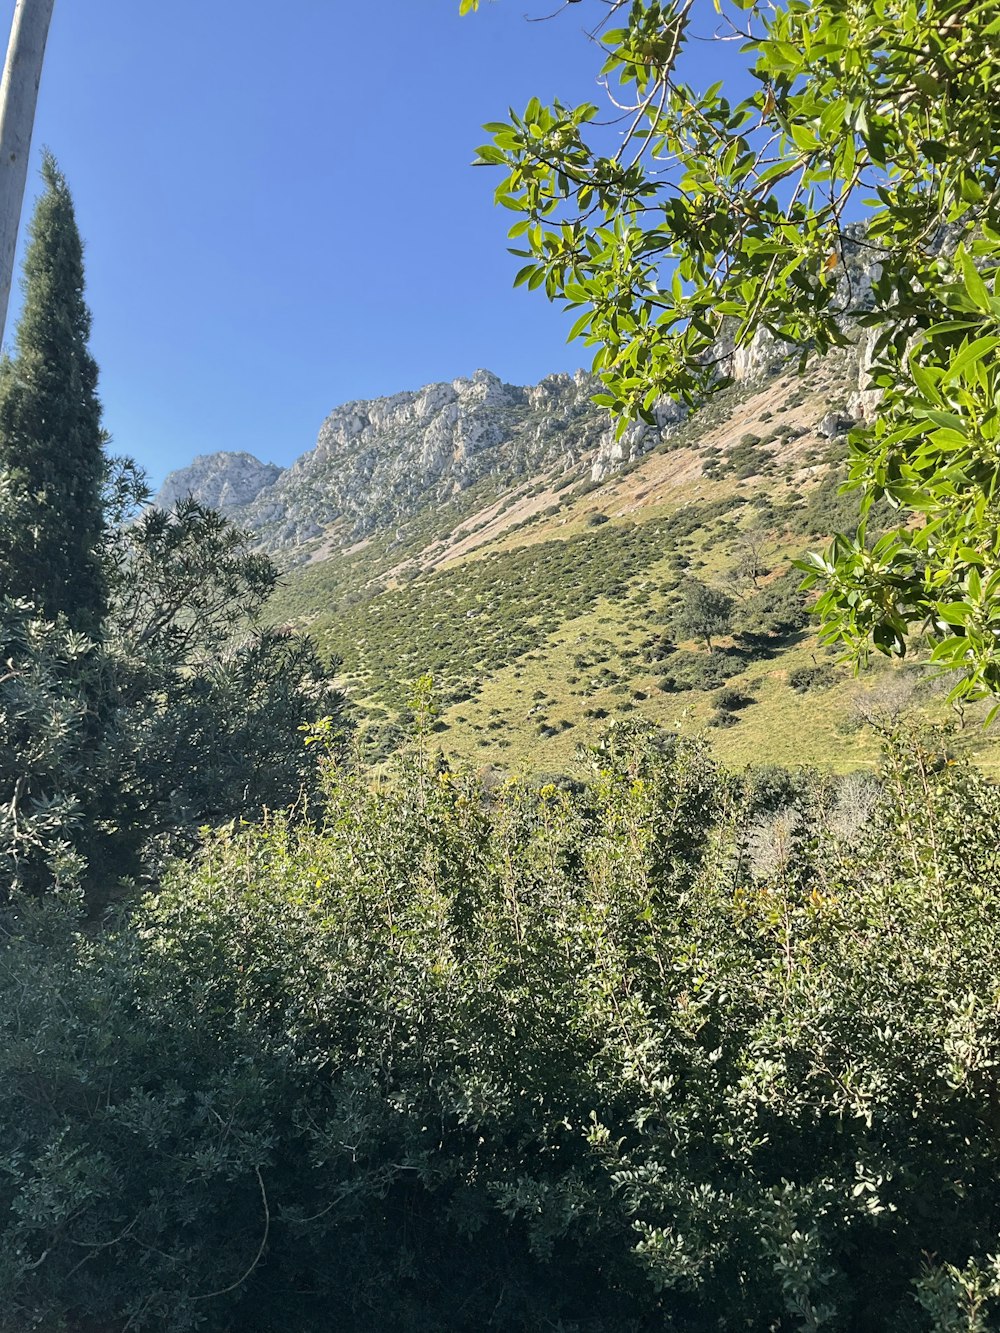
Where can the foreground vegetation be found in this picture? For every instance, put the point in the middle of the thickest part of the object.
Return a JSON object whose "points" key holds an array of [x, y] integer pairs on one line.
{"points": [[672, 1049], [652, 1045]]}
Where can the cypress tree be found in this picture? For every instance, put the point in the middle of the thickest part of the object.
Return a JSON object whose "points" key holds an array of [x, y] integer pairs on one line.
{"points": [[51, 455]]}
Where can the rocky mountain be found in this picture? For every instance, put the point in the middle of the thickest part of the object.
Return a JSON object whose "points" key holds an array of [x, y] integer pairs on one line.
{"points": [[378, 463], [224, 481]]}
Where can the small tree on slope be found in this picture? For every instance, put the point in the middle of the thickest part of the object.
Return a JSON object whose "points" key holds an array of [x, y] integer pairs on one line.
{"points": [[51, 456], [703, 612]]}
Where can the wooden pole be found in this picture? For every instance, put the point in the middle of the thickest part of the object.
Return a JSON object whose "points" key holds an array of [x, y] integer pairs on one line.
{"points": [[18, 97]]}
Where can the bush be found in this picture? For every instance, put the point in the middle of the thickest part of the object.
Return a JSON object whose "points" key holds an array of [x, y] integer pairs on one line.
{"points": [[704, 671], [723, 720], [187, 713], [703, 612], [805, 678], [731, 700], [53, 757], [647, 1055]]}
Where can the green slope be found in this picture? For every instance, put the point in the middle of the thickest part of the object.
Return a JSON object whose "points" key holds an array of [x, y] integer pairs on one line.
{"points": [[544, 610]]}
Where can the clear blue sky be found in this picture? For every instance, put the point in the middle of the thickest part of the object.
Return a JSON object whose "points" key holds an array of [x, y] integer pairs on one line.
{"points": [[279, 210]]}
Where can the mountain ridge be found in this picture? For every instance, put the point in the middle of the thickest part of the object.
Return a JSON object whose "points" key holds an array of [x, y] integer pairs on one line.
{"points": [[376, 461]]}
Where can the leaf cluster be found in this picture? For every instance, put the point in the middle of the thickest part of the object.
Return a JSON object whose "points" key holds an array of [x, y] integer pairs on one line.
{"points": [[706, 221]]}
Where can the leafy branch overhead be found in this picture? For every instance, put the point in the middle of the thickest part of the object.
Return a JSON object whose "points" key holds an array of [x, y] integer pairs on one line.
{"points": [[676, 216]]}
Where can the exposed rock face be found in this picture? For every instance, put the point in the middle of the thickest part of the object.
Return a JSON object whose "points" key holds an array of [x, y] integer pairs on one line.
{"points": [[224, 481], [760, 357], [636, 440], [864, 400], [378, 463], [375, 463]]}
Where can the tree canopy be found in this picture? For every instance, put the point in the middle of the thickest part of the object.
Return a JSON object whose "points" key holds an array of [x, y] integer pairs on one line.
{"points": [[141, 697], [856, 188], [703, 612]]}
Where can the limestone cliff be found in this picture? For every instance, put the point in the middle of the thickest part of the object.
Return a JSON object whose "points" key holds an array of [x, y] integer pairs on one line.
{"points": [[377, 462], [224, 481]]}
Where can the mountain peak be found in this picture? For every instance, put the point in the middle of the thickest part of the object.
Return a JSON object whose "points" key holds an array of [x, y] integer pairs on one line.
{"points": [[227, 481]]}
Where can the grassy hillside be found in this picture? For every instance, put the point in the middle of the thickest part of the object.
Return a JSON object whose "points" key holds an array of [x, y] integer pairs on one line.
{"points": [[542, 610]]}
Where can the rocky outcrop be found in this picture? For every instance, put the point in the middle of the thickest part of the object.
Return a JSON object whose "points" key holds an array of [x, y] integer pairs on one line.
{"points": [[762, 356], [637, 439], [377, 462], [864, 399], [224, 481], [856, 273]]}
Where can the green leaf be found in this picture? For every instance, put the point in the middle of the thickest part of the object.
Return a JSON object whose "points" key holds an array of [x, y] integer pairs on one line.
{"points": [[975, 287], [954, 613], [976, 351]]}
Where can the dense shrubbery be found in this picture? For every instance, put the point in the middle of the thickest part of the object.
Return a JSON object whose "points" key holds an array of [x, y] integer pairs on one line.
{"points": [[702, 670], [52, 744], [680, 1051], [818, 677], [463, 623]]}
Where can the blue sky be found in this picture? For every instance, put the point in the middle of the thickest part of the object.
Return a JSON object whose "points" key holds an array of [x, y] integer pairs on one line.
{"points": [[279, 210]]}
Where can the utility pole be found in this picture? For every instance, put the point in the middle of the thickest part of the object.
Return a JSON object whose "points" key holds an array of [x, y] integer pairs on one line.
{"points": [[18, 95]]}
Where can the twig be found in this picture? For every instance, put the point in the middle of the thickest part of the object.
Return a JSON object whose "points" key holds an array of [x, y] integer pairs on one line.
{"points": [[260, 1251]]}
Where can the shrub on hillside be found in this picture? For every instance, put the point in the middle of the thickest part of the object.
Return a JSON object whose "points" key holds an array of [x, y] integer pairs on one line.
{"points": [[722, 719], [805, 678], [732, 701], [702, 612], [704, 671]]}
